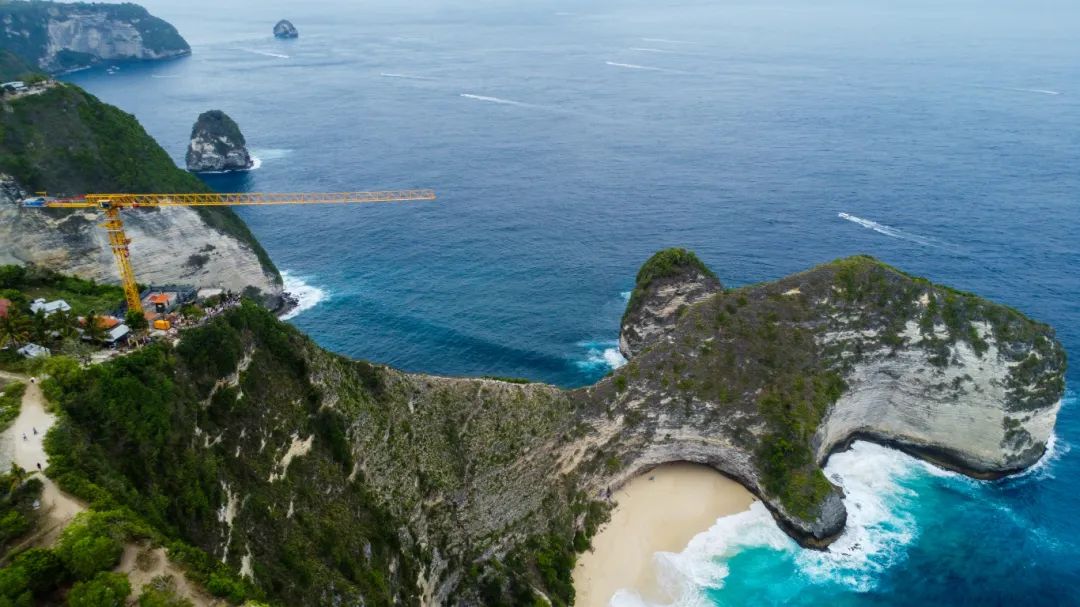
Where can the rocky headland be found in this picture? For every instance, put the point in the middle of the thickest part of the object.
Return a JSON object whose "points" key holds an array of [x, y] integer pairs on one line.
{"points": [[217, 145], [62, 36], [324, 480], [285, 29]]}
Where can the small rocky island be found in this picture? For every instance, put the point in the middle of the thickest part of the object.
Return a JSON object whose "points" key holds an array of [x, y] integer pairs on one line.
{"points": [[217, 145], [285, 29]]}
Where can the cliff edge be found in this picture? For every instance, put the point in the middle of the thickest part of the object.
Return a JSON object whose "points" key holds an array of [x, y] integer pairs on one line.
{"points": [[68, 143], [62, 36], [344, 481]]}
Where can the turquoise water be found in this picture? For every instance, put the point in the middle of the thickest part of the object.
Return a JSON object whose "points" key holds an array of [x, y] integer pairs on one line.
{"points": [[569, 141]]}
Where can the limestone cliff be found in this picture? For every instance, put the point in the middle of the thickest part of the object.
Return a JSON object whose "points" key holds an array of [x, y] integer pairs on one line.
{"points": [[67, 142], [60, 36], [217, 145], [340, 482]]}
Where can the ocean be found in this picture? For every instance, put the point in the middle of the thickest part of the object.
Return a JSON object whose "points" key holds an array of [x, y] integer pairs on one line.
{"points": [[568, 141]]}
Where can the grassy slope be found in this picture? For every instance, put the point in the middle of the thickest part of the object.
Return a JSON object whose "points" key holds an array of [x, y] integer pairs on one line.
{"points": [[67, 142]]}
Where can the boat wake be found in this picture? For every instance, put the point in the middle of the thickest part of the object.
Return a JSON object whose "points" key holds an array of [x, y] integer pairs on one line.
{"points": [[404, 76], [889, 231], [265, 53], [307, 296], [647, 68]]}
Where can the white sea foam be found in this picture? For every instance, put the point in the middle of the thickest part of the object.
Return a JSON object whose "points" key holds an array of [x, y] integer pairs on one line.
{"points": [[651, 50], [1040, 91], [667, 41], [626, 295], [889, 231], [601, 355], [879, 528], [266, 53], [405, 76], [164, 76], [496, 100], [647, 68], [258, 155], [308, 296]]}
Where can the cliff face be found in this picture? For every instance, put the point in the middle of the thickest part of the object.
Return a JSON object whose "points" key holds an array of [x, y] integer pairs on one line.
{"points": [[217, 144], [490, 486], [63, 36], [66, 142]]}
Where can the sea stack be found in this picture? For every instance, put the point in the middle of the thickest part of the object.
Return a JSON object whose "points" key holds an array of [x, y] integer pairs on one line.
{"points": [[217, 145], [285, 29]]}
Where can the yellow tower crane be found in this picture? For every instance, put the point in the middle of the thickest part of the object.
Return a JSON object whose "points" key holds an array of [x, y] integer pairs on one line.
{"points": [[112, 204]]}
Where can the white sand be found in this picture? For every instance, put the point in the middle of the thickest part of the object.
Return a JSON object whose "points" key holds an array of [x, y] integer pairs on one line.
{"points": [[660, 511]]}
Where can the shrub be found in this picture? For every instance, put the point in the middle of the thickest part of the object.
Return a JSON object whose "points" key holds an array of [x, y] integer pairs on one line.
{"points": [[105, 590]]}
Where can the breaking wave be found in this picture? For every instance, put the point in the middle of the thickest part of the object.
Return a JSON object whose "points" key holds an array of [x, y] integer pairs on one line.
{"points": [[600, 355], [879, 528], [496, 100], [307, 296]]}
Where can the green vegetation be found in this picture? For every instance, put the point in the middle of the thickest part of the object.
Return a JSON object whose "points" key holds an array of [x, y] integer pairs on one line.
{"points": [[105, 590], [67, 142], [33, 282], [216, 124], [33, 18], [13, 67], [664, 264], [17, 495], [10, 403]]}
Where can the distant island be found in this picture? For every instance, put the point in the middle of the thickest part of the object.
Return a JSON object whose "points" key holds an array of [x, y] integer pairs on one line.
{"points": [[217, 145], [285, 29], [58, 36]]}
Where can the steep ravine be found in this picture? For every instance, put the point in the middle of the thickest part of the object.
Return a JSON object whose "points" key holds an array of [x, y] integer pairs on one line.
{"points": [[329, 481]]}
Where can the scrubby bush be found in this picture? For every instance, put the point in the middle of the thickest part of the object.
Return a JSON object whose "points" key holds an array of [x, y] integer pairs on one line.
{"points": [[104, 590]]}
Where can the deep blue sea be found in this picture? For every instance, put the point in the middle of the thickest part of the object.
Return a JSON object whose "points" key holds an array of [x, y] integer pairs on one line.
{"points": [[569, 140]]}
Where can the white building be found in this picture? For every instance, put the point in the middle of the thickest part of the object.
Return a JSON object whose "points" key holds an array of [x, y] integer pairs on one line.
{"points": [[50, 306], [33, 351]]}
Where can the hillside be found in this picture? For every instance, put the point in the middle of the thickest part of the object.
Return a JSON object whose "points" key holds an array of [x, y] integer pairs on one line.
{"points": [[321, 480], [67, 142], [62, 36]]}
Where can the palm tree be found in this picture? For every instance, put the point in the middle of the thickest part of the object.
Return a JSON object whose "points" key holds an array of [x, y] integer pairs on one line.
{"points": [[14, 327], [62, 322], [39, 326]]}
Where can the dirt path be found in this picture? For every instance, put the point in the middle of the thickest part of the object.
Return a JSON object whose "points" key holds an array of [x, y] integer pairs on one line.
{"points": [[24, 443]]}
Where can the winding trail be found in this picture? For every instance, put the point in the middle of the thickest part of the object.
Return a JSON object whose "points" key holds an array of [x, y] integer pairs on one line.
{"points": [[24, 444]]}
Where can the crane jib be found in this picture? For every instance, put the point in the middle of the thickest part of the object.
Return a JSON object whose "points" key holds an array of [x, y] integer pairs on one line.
{"points": [[111, 205]]}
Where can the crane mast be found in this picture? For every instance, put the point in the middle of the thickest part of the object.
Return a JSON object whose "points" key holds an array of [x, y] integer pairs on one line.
{"points": [[119, 243]]}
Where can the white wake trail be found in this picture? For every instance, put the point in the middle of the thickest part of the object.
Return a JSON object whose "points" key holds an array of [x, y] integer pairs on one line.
{"points": [[265, 53], [646, 68], [405, 76], [889, 231]]}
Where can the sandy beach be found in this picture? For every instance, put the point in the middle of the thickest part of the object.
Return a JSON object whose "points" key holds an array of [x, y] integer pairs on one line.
{"points": [[659, 511]]}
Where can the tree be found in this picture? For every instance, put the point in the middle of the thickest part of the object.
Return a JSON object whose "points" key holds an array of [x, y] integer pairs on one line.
{"points": [[136, 321], [92, 328], [63, 322], [105, 590], [39, 326], [86, 548], [14, 327]]}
